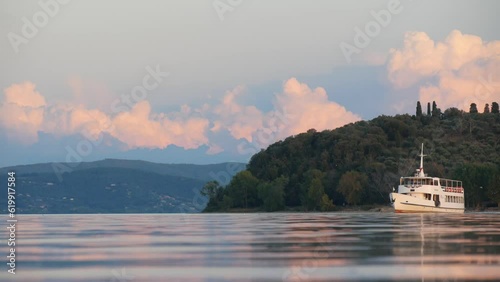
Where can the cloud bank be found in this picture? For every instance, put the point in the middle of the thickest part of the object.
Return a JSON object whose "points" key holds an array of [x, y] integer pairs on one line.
{"points": [[455, 73], [297, 109], [24, 113]]}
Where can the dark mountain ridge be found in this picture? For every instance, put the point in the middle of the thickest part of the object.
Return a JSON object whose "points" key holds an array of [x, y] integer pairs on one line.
{"points": [[114, 186]]}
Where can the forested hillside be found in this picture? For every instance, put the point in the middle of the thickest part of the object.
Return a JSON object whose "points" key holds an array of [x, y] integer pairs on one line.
{"points": [[360, 163], [114, 186]]}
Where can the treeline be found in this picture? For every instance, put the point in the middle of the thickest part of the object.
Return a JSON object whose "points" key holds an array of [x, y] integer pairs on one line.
{"points": [[360, 163], [436, 112], [106, 190]]}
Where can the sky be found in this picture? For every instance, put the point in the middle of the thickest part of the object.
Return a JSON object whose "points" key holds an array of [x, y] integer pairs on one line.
{"points": [[217, 80]]}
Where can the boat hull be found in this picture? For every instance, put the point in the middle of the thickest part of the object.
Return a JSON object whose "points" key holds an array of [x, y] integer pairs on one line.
{"points": [[408, 204]]}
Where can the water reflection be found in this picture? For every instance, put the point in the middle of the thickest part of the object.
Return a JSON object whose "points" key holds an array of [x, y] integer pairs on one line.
{"points": [[258, 247]]}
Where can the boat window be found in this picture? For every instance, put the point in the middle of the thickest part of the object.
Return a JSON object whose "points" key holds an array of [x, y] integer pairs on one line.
{"points": [[436, 183]]}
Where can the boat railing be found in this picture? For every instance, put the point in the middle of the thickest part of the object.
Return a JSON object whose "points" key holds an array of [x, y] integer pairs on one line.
{"points": [[453, 189]]}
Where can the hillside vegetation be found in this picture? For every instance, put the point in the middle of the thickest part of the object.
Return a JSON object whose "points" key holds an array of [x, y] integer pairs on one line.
{"points": [[114, 186], [360, 163]]}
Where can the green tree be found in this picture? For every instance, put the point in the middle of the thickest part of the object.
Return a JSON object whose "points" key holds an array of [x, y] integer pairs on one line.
{"points": [[215, 193], [315, 194], [210, 189], [473, 108], [486, 108], [493, 189], [494, 108], [272, 194], [419, 109], [326, 203], [243, 190], [477, 179], [428, 108], [305, 185], [453, 112], [352, 186], [227, 203], [436, 112]]}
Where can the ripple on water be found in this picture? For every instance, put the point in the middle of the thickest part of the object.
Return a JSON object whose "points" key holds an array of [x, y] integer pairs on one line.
{"points": [[258, 247]]}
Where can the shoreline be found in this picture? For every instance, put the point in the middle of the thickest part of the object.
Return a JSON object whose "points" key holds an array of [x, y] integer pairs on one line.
{"points": [[343, 209]]}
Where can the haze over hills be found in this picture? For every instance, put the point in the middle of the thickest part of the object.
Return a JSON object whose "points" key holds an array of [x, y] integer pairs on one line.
{"points": [[115, 186]]}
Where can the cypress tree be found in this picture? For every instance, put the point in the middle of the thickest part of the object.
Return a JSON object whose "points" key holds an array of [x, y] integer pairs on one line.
{"points": [[473, 108], [435, 110], [494, 108], [486, 109], [419, 109]]}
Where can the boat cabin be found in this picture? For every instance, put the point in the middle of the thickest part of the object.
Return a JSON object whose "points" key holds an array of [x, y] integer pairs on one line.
{"points": [[447, 185]]}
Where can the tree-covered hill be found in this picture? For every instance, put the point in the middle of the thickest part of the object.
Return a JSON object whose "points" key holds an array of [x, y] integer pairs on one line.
{"points": [[201, 172], [114, 186], [360, 163]]}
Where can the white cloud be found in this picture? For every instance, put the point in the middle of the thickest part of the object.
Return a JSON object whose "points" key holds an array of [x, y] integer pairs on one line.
{"points": [[465, 67], [241, 121], [22, 112], [296, 109]]}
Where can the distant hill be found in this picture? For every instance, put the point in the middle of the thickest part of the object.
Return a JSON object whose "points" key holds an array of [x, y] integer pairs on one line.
{"points": [[114, 186], [359, 163]]}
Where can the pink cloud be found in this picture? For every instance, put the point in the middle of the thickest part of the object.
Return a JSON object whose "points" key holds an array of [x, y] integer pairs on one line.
{"points": [[296, 109], [465, 67], [241, 121], [22, 112], [24, 95], [308, 108], [139, 128]]}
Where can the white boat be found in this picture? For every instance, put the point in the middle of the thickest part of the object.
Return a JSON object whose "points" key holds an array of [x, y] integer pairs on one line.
{"points": [[423, 193]]}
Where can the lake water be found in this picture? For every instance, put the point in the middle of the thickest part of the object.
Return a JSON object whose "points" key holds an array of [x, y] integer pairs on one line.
{"points": [[256, 247]]}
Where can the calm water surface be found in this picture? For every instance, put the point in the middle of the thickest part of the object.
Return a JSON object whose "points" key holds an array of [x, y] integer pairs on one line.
{"points": [[256, 247]]}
